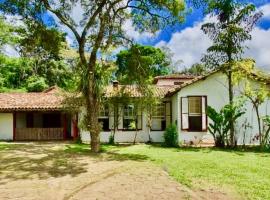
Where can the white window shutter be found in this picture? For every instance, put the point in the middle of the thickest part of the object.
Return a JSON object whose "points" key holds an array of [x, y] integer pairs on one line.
{"points": [[184, 113], [204, 116]]}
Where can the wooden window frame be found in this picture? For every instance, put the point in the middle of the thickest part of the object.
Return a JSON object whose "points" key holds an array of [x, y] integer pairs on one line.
{"points": [[102, 117], [123, 117], [206, 117], [165, 116]]}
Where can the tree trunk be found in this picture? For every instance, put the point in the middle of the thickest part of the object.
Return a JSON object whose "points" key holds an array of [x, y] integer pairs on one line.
{"points": [[95, 142], [259, 124], [92, 106], [232, 130]]}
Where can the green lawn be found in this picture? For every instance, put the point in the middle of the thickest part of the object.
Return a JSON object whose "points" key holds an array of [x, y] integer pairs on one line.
{"points": [[248, 173]]}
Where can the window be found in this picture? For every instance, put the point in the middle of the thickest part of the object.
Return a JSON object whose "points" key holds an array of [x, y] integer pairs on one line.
{"points": [[194, 113], [131, 118], [52, 120], [104, 117], [159, 117], [29, 120]]}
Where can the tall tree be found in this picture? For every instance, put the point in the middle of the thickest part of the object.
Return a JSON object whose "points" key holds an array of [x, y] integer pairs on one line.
{"points": [[235, 21], [99, 29], [145, 59]]}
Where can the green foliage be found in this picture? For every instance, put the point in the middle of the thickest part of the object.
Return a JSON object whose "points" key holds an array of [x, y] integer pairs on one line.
{"points": [[36, 84], [171, 136], [111, 140], [39, 48], [220, 125], [39, 41], [236, 20], [141, 62], [197, 69], [266, 133], [7, 33]]}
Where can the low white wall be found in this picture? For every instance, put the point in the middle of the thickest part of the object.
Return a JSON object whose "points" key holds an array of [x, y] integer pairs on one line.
{"points": [[126, 136], [6, 126]]}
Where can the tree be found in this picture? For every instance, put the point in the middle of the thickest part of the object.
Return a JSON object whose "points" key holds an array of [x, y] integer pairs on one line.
{"points": [[100, 29], [235, 20], [255, 87], [196, 69], [40, 57], [154, 60], [7, 35]]}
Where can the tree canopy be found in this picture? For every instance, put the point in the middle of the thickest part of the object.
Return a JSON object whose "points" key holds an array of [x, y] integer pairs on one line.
{"points": [[40, 64], [145, 60]]}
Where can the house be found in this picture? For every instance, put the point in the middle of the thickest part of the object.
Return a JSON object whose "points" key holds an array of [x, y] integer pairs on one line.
{"points": [[184, 99], [35, 116]]}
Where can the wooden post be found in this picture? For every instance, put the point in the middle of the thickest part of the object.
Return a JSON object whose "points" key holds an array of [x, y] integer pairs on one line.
{"points": [[75, 127], [14, 126]]}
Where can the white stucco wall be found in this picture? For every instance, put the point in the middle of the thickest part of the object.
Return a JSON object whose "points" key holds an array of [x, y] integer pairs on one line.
{"points": [[6, 126], [127, 136], [215, 88]]}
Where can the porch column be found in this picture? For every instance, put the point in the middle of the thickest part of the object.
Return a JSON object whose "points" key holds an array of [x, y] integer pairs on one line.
{"points": [[14, 126], [75, 127]]}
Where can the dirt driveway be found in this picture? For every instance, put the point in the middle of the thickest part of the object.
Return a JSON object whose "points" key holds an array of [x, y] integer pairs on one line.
{"points": [[52, 171]]}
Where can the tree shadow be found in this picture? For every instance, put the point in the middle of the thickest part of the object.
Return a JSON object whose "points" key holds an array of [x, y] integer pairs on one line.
{"points": [[24, 162], [38, 160]]}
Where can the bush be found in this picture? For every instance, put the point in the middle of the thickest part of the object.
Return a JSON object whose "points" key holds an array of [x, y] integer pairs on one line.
{"points": [[171, 136], [36, 84], [111, 140]]}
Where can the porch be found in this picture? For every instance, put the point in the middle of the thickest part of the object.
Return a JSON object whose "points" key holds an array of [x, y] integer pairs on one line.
{"points": [[44, 126]]}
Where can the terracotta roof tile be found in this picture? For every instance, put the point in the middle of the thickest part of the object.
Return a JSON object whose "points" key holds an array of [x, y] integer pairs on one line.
{"points": [[174, 76], [133, 90], [45, 101]]}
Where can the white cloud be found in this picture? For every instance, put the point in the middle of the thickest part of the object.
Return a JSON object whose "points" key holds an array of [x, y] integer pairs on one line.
{"points": [[259, 47], [191, 43], [10, 50], [136, 35], [188, 45], [266, 11]]}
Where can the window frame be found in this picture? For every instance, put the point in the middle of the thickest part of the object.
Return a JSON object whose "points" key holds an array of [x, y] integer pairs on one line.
{"points": [[188, 114], [103, 110], [138, 117], [162, 118]]}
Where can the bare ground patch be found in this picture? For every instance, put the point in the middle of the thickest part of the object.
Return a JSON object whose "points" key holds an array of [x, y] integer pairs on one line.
{"points": [[56, 171]]}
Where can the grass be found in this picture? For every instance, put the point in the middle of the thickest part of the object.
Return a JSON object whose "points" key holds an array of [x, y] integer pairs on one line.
{"points": [[245, 172]]}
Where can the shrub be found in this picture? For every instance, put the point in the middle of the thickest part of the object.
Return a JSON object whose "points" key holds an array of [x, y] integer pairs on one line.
{"points": [[36, 84], [111, 140], [220, 125], [171, 136]]}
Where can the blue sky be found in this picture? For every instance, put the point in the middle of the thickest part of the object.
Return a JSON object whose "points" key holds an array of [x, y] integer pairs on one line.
{"points": [[197, 15], [188, 44]]}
